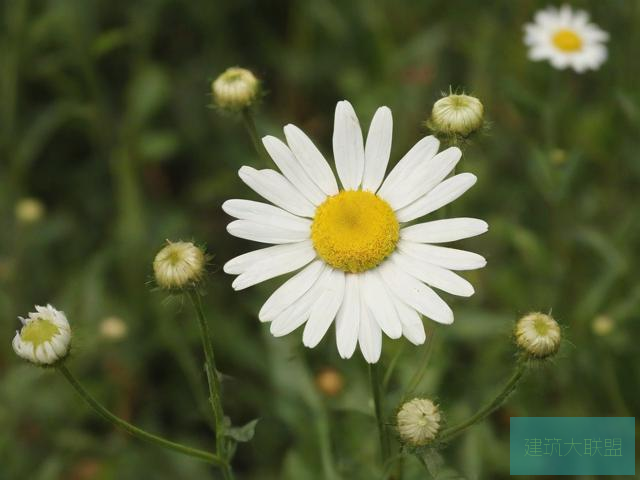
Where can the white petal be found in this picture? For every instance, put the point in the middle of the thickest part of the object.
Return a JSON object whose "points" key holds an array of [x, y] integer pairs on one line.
{"points": [[348, 149], [324, 310], [412, 326], [433, 275], [369, 335], [277, 189], [264, 213], [290, 291], [416, 294], [440, 196], [422, 151], [445, 257], [265, 233], [292, 169], [273, 267], [424, 177], [448, 230], [298, 312], [311, 159], [244, 262], [374, 293], [59, 345], [348, 318], [377, 149]]}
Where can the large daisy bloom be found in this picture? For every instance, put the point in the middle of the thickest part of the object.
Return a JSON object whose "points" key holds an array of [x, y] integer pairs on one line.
{"points": [[362, 264], [566, 38], [45, 336]]}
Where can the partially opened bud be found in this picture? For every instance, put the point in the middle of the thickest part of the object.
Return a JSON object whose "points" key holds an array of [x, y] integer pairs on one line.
{"points": [[456, 115], [45, 336], [538, 335], [235, 89], [179, 265], [418, 422]]}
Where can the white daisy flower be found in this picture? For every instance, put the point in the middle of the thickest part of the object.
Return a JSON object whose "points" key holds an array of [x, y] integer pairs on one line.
{"points": [[45, 336], [566, 38], [362, 265]]}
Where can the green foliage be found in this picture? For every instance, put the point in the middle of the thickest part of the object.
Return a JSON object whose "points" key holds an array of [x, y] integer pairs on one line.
{"points": [[104, 118]]}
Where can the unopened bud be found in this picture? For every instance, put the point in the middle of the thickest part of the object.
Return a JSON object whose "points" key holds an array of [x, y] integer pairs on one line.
{"points": [[538, 335], [237, 88]]}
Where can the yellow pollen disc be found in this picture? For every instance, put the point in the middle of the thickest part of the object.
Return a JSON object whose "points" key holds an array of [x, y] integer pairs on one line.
{"points": [[567, 40], [39, 331], [354, 230]]}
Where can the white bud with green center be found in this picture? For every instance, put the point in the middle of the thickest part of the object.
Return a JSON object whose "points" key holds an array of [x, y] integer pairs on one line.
{"points": [[235, 89], [456, 115], [538, 335], [45, 337], [418, 422], [179, 265]]}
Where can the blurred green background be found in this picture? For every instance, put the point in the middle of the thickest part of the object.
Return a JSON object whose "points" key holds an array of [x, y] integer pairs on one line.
{"points": [[105, 120]]}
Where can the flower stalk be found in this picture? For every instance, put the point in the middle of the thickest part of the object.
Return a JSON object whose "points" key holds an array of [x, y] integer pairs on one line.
{"points": [[488, 409], [376, 392], [213, 382], [250, 127], [135, 431]]}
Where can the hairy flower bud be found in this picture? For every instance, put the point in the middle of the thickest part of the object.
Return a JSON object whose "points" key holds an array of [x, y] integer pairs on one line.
{"points": [[418, 422], [235, 89], [538, 335], [179, 265], [456, 115], [45, 336]]}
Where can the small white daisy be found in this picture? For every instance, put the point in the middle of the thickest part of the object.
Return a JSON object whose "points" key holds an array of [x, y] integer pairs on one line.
{"points": [[363, 266], [45, 336], [566, 38]]}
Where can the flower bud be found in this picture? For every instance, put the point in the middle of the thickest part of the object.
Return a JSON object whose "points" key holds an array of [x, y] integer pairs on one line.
{"points": [[418, 422], [538, 335], [235, 89], [179, 265], [113, 328], [602, 325], [45, 336], [29, 210], [456, 115], [330, 382]]}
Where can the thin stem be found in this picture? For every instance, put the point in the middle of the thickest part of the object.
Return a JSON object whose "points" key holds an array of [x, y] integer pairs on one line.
{"points": [[213, 381], [488, 409], [422, 368], [132, 429], [250, 126], [374, 377]]}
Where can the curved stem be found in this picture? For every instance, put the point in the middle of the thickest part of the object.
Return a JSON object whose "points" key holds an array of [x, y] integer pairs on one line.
{"points": [[374, 377], [213, 381], [132, 429], [488, 409], [422, 368], [250, 126]]}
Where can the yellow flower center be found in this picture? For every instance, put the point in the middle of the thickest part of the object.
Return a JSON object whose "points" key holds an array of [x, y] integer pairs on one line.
{"points": [[39, 331], [567, 40], [354, 230]]}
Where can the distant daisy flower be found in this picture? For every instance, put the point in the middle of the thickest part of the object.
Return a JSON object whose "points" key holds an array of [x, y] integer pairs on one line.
{"points": [[45, 336], [363, 266], [566, 38]]}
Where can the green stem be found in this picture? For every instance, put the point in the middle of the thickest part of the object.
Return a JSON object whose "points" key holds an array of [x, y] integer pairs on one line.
{"points": [[422, 368], [132, 429], [213, 381], [376, 392], [250, 126], [488, 409]]}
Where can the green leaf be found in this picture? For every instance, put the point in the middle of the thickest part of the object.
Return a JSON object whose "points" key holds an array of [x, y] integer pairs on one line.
{"points": [[244, 433]]}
